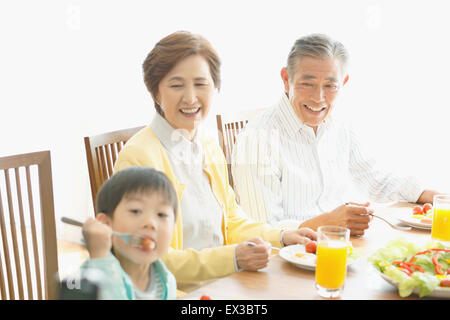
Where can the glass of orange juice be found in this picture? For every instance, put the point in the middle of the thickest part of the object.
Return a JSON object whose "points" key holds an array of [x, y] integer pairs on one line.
{"points": [[331, 263], [440, 229]]}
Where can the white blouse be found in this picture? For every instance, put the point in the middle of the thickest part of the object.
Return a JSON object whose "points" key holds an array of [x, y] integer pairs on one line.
{"points": [[202, 214], [282, 170]]}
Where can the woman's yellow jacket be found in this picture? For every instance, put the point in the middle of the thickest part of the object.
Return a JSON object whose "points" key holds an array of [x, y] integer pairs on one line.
{"points": [[145, 149]]}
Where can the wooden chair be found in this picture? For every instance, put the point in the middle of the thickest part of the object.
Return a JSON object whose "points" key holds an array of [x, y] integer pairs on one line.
{"points": [[101, 154], [228, 126], [28, 256]]}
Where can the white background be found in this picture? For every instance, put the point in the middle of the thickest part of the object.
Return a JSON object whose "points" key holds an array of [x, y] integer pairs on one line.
{"points": [[70, 69]]}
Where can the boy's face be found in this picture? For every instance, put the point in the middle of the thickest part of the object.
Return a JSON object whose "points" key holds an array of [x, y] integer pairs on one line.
{"points": [[149, 215]]}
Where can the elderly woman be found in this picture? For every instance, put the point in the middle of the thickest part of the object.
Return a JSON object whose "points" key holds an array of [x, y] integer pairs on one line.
{"points": [[211, 233]]}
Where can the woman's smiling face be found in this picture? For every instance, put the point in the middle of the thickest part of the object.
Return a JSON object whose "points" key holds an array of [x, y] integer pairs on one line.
{"points": [[185, 93]]}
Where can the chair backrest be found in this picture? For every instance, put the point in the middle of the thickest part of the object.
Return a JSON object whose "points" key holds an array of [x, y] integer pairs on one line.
{"points": [[101, 154], [28, 256], [228, 127]]}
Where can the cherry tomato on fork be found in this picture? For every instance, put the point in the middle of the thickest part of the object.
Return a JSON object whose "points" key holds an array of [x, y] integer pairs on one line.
{"points": [[146, 243]]}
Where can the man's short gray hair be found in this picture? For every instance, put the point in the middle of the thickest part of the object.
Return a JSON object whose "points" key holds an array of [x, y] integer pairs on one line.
{"points": [[316, 46]]}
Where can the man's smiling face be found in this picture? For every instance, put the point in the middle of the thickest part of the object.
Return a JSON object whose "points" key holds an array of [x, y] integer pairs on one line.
{"points": [[313, 88]]}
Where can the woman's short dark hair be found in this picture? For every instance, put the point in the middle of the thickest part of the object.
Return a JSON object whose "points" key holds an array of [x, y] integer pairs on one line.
{"points": [[172, 49], [134, 180]]}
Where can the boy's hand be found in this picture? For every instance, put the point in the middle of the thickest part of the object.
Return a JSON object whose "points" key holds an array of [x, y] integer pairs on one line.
{"points": [[98, 238]]}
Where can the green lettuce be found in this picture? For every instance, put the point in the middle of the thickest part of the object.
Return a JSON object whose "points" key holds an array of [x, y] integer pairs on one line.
{"points": [[402, 250], [426, 282]]}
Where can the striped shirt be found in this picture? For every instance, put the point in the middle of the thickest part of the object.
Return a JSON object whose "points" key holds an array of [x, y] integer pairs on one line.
{"points": [[282, 170]]}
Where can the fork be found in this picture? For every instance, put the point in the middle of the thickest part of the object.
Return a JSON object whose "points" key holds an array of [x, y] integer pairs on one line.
{"points": [[252, 244], [126, 237], [391, 224]]}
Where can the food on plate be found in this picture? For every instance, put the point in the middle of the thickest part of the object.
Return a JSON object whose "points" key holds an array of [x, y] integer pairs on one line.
{"points": [[351, 250], [300, 255], [426, 220], [412, 265], [426, 207], [205, 297], [311, 246], [445, 283], [424, 214], [305, 258], [417, 210]]}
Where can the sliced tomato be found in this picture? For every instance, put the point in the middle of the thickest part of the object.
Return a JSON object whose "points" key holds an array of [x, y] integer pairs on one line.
{"points": [[445, 283], [426, 207], [417, 210]]}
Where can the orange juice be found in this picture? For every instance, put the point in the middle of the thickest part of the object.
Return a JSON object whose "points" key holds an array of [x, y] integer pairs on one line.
{"points": [[331, 264], [440, 229]]}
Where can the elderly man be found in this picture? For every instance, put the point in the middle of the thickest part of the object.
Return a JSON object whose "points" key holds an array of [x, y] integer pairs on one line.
{"points": [[296, 160]]}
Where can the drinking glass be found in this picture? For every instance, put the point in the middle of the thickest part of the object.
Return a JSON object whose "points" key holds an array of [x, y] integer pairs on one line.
{"points": [[440, 228], [331, 265]]}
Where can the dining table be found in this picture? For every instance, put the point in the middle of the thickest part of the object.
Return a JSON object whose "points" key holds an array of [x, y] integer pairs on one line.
{"points": [[282, 280]]}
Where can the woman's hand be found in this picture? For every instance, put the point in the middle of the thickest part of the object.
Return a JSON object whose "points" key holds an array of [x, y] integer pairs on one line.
{"points": [[298, 236], [252, 258], [98, 237]]}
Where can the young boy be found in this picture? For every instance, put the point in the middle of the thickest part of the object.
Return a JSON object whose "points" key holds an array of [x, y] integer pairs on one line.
{"points": [[139, 201]]}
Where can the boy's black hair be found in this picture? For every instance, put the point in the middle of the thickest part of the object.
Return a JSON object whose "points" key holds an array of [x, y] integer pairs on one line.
{"points": [[132, 180]]}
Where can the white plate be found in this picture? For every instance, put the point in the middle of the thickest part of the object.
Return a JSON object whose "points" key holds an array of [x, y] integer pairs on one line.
{"points": [[413, 222], [307, 262], [436, 293]]}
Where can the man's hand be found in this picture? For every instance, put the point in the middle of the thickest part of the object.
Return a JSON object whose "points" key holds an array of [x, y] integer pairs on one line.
{"points": [[427, 196], [252, 258], [298, 236], [353, 216]]}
